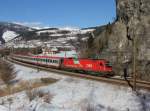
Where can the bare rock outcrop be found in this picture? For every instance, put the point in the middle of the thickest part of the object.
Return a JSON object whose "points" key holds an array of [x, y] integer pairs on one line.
{"points": [[115, 43]]}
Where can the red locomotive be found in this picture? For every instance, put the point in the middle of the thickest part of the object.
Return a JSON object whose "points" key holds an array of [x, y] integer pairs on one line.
{"points": [[99, 66], [94, 65]]}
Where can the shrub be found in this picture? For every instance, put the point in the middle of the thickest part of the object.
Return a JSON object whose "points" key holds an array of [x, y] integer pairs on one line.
{"points": [[48, 80], [46, 96]]}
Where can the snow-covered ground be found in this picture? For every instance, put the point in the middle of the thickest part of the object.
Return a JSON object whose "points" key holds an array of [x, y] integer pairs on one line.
{"points": [[8, 35], [74, 94]]}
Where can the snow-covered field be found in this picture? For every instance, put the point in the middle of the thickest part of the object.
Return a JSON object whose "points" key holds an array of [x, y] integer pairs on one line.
{"points": [[74, 94]]}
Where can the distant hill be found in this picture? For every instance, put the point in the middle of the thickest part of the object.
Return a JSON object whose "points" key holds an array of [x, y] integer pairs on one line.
{"points": [[14, 35]]}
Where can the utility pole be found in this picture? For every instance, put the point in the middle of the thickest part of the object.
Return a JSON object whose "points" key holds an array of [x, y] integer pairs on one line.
{"points": [[12, 49], [134, 63]]}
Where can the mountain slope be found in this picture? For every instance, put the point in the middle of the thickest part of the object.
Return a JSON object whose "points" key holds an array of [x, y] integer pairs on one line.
{"points": [[16, 28]]}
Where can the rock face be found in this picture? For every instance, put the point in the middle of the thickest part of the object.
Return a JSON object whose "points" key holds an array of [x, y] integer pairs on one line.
{"points": [[135, 14], [115, 43]]}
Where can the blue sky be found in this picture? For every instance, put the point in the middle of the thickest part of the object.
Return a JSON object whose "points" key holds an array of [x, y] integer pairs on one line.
{"points": [[58, 13]]}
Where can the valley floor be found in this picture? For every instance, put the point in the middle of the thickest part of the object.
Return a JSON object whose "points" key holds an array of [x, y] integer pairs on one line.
{"points": [[74, 94]]}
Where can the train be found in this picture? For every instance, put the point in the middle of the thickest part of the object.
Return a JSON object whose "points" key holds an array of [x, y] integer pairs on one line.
{"points": [[99, 67]]}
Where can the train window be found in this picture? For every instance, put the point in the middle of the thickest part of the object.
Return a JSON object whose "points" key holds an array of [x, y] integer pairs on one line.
{"points": [[56, 61]]}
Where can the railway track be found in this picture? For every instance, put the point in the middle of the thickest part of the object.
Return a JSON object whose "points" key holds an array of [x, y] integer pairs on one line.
{"points": [[117, 81]]}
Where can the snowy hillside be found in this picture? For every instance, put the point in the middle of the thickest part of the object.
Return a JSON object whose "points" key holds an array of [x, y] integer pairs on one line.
{"points": [[8, 35], [52, 37]]}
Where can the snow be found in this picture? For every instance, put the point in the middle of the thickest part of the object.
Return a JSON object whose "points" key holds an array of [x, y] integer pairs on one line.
{"points": [[74, 94], [45, 31], [86, 30], [8, 35], [2, 108], [25, 73], [57, 35], [69, 28]]}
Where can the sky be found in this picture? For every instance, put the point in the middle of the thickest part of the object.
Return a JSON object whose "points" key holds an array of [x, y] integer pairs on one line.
{"points": [[58, 13]]}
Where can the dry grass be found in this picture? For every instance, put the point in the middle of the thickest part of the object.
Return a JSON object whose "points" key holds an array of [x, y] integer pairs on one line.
{"points": [[7, 72], [25, 85]]}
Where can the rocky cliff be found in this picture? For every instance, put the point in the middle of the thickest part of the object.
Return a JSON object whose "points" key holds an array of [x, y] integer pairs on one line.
{"points": [[115, 42]]}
